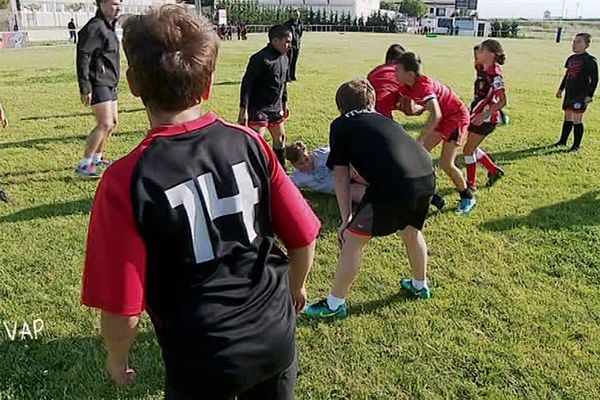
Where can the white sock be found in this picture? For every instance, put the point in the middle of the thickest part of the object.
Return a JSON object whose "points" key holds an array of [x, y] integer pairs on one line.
{"points": [[85, 162], [97, 158], [420, 285], [334, 303]]}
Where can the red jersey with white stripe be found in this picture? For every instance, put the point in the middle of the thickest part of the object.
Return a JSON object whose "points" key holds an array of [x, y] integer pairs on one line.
{"points": [[489, 88]]}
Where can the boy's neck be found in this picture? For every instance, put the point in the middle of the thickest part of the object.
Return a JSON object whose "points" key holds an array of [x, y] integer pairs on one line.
{"points": [[162, 118], [581, 52]]}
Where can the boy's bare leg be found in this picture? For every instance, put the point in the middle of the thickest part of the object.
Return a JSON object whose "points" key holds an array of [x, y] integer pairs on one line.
{"points": [[115, 123], [278, 136], [104, 124], [348, 263], [416, 250], [357, 191], [447, 162]]}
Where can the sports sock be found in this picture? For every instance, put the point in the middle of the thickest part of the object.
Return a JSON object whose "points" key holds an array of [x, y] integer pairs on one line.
{"points": [[466, 194], [97, 158], [471, 164], [334, 302], [420, 285], [438, 201], [578, 133], [566, 131], [85, 162], [486, 161]]}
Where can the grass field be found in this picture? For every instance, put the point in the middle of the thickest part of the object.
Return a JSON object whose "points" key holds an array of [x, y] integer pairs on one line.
{"points": [[516, 306]]}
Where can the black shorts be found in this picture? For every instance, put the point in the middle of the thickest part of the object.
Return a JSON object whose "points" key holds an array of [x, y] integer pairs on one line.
{"points": [[484, 129], [374, 219], [280, 386], [102, 94], [574, 103], [261, 118]]}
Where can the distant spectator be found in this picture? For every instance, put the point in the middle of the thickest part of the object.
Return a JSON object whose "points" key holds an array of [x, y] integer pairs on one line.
{"points": [[72, 31]]}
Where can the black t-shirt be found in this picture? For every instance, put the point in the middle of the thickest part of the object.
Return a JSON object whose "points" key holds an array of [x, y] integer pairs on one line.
{"points": [[264, 85], [581, 78], [394, 164]]}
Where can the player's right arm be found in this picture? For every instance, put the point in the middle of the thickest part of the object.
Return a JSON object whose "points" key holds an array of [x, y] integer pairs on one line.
{"points": [[253, 71], [88, 43], [293, 222]]}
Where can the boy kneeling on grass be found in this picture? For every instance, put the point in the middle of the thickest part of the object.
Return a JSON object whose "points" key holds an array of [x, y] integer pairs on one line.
{"points": [[401, 182], [184, 227]]}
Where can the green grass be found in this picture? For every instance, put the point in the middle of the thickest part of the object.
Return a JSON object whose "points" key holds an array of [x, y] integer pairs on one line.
{"points": [[515, 312]]}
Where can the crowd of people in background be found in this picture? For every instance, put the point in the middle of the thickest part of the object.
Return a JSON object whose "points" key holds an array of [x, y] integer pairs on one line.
{"points": [[228, 31]]}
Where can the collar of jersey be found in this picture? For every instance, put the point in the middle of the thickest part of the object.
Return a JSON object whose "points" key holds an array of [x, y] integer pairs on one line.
{"points": [[173, 130]]}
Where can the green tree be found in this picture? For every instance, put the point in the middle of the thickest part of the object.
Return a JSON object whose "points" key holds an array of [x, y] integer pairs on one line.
{"points": [[414, 8], [389, 5]]}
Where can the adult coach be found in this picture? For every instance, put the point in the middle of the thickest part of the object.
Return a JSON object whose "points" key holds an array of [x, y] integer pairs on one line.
{"points": [[98, 75], [184, 227], [297, 29], [263, 98]]}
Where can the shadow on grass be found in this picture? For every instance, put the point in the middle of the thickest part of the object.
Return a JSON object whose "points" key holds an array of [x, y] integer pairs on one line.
{"points": [[73, 368], [78, 114], [33, 172], [40, 142], [514, 155], [82, 206], [227, 83], [570, 214]]}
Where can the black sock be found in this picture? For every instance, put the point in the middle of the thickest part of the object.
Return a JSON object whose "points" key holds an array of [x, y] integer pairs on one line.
{"points": [[566, 131], [466, 194], [438, 201], [280, 154], [578, 133]]}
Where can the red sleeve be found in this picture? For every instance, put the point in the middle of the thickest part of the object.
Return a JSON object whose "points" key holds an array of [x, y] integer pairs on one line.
{"points": [[115, 263], [425, 89], [293, 220]]}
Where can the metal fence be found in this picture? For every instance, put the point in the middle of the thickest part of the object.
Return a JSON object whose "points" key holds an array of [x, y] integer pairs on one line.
{"points": [[326, 28]]}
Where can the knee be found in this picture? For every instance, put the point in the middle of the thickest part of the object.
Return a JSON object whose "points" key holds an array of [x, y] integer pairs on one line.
{"points": [[105, 126], [447, 165]]}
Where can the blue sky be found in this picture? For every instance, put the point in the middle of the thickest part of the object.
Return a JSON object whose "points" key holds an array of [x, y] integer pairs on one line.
{"points": [[536, 8]]}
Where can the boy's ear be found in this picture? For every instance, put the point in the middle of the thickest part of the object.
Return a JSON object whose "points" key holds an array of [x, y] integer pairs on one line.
{"points": [[208, 91], [133, 88]]}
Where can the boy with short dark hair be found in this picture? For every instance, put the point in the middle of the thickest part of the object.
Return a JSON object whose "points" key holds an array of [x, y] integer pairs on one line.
{"points": [[263, 99], [579, 84], [183, 227], [401, 181]]}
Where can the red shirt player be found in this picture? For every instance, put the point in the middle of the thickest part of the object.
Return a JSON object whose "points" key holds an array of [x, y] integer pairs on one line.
{"points": [[448, 121], [184, 228]]}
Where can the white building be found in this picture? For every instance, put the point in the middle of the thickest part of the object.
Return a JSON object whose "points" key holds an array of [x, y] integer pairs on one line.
{"points": [[41, 14], [440, 8], [356, 8]]}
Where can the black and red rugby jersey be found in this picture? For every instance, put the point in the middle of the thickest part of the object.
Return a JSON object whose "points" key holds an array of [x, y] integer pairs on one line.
{"points": [[184, 227]]}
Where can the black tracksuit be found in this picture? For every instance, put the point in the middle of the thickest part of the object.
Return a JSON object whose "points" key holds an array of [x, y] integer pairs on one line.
{"points": [[98, 62], [297, 29]]}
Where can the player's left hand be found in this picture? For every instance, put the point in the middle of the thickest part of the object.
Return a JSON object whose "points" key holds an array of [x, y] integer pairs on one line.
{"points": [[299, 298], [477, 119], [588, 100], [341, 231], [286, 111], [120, 373]]}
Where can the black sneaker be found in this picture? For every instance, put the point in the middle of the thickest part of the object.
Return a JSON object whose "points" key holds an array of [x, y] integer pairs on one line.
{"points": [[493, 178], [3, 196], [559, 144], [574, 149]]}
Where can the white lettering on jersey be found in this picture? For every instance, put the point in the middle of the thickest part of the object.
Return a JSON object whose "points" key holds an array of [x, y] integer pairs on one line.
{"points": [[186, 195]]}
